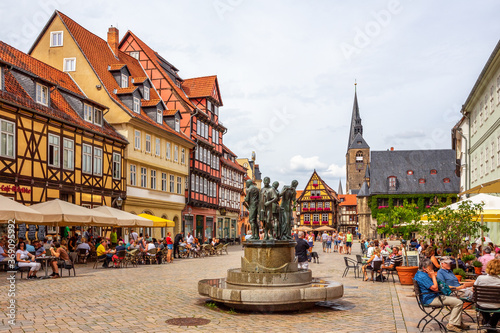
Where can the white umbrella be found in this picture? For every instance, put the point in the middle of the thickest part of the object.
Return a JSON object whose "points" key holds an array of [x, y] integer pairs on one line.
{"points": [[124, 219], [12, 210], [69, 214]]}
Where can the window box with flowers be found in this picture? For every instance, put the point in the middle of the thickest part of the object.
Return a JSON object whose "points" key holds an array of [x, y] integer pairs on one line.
{"points": [[326, 209], [315, 222], [307, 222], [305, 209], [315, 185], [324, 222]]}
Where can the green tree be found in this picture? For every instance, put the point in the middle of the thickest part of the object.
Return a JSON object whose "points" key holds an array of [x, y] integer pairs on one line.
{"points": [[451, 226]]}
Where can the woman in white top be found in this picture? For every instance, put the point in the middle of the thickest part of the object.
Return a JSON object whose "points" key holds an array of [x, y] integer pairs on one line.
{"points": [[491, 279], [341, 242], [369, 264], [26, 259]]}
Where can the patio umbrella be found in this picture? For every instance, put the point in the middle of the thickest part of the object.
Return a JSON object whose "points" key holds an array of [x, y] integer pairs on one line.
{"points": [[69, 214], [158, 222], [124, 219], [304, 228], [12, 210], [324, 228]]}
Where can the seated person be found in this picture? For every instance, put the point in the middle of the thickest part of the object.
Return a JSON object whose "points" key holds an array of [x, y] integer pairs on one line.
{"points": [[485, 258], [46, 244], [133, 246], [26, 259], [3, 253], [60, 253], [150, 246], [445, 274], [369, 264], [39, 249], [72, 243], [118, 248], [427, 282], [491, 279], [84, 246], [430, 254], [104, 253], [30, 248], [396, 260]]}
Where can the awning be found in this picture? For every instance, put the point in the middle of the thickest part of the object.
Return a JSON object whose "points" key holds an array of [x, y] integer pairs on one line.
{"points": [[489, 187], [12, 210], [158, 222]]}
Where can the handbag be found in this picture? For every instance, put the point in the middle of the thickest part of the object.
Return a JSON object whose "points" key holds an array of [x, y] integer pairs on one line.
{"points": [[444, 288]]}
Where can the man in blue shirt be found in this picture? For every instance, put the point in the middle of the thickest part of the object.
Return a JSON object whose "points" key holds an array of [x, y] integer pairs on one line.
{"points": [[445, 274], [427, 282]]}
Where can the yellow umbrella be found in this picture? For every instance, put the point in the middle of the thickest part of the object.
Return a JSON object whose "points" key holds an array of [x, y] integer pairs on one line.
{"points": [[158, 222]]}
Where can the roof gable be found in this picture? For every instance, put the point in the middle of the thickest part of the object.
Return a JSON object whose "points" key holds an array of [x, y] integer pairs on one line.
{"points": [[207, 86], [358, 143], [315, 183]]}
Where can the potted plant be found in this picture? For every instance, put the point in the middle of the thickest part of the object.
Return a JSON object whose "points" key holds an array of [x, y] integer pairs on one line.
{"points": [[459, 273], [403, 221], [478, 266], [468, 258]]}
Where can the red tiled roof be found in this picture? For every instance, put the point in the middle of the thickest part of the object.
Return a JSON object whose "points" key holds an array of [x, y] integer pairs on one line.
{"points": [[38, 68], [128, 90], [228, 150], [59, 109], [349, 199], [151, 102], [153, 56], [299, 193], [116, 67], [100, 57], [234, 165], [199, 86], [170, 112], [139, 80]]}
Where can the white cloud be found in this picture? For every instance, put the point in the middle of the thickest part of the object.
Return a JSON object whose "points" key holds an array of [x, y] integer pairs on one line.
{"points": [[299, 163], [335, 171]]}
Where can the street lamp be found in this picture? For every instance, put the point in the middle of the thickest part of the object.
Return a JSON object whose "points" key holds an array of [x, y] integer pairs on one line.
{"points": [[118, 202]]}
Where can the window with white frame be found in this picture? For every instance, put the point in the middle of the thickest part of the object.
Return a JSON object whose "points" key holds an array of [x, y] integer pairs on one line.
{"points": [[498, 90], [197, 188], [56, 38], [198, 129], [144, 177], [54, 151], [117, 166], [498, 151], [7, 138], [176, 153], [137, 139], [193, 182], [86, 158], [183, 156], [69, 64], [177, 125], [135, 54], [493, 155], [42, 94], [124, 81], [137, 105], [68, 154], [492, 98], [153, 179], [486, 161], [159, 116], [97, 161], [168, 150], [146, 93], [209, 105], [481, 164], [133, 175], [158, 147], [325, 218], [164, 181], [87, 113], [179, 185], [148, 143], [172, 184], [98, 116], [205, 186], [307, 217]]}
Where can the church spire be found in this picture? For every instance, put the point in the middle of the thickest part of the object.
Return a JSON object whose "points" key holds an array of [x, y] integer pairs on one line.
{"points": [[356, 126], [340, 191]]}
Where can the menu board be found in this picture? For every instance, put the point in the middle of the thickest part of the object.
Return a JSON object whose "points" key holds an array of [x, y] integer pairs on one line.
{"points": [[41, 232], [21, 231], [31, 232], [413, 258]]}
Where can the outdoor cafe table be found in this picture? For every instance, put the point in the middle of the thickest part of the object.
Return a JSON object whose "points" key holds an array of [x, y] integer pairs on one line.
{"points": [[46, 259]]}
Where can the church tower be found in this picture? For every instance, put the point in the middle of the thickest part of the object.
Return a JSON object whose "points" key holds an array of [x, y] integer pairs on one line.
{"points": [[358, 152]]}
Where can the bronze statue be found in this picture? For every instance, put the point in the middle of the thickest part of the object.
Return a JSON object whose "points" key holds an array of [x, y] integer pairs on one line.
{"points": [[267, 197], [288, 196], [252, 204], [276, 212]]}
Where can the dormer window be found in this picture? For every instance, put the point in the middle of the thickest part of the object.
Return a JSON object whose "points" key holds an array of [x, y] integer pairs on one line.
{"points": [[392, 182], [434, 172], [177, 125], [421, 181], [42, 94], [146, 93], [159, 116], [409, 172], [137, 105], [56, 38], [124, 81], [209, 105], [87, 113], [98, 116], [216, 110], [446, 180]]}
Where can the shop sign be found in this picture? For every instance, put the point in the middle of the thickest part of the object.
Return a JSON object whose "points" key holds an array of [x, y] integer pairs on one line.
{"points": [[13, 188]]}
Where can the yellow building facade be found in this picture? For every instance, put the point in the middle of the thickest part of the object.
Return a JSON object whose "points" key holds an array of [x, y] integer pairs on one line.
{"points": [[157, 158]]}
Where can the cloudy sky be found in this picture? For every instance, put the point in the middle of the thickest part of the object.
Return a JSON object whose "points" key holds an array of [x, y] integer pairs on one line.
{"points": [[287, 68]]}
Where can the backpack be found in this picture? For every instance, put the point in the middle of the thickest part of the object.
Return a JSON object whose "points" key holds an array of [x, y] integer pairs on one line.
{"points": [[444, 288]]}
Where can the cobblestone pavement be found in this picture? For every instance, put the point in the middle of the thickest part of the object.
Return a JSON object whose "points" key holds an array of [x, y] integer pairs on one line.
{"points": [[142, 299]]}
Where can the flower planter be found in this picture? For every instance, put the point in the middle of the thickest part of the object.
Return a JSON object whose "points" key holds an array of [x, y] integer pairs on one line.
{"points": [[406, 274], [459, 277], [324, 222], [307, 222], [305, 209], [315, 222], [478, 270]]}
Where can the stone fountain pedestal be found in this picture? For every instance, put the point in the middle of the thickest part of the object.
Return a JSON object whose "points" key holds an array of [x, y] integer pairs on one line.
{"points": [[269, 280]]}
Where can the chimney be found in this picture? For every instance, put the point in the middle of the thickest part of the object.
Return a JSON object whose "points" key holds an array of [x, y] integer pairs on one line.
{"points": [[392, 148], [113, 39]]}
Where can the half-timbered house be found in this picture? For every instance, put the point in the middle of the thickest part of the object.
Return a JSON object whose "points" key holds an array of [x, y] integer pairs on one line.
{"points": [[157, 159], [48, 149]]}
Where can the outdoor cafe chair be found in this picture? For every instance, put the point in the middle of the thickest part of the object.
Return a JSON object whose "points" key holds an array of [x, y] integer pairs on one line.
{"points": [[393, 271], [224, 248], [121, 258], [485, 294], [377, 268], [98, 260], [67, 264], [82, 256], [431, 311], [132, 258], [350, 263], [359, 260], [150, 256]]}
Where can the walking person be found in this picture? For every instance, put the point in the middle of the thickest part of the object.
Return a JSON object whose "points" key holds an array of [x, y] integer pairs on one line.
{"points": [[341, 242], [329, 243], [348, 242], [178, 238], [323, 240], [301, 252], [335, 241], [170, 247]]}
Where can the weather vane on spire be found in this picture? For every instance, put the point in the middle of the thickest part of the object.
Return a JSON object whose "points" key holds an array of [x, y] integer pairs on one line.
{"points": [[355, 84]]}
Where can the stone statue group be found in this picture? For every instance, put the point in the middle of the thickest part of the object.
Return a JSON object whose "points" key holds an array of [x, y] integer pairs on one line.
{"points": [[264, 205]]}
